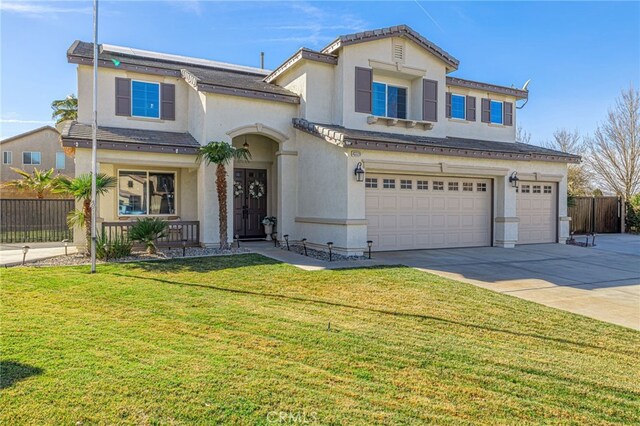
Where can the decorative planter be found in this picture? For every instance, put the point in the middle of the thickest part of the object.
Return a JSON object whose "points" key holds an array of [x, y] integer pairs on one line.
{"points": [[268, 229]]}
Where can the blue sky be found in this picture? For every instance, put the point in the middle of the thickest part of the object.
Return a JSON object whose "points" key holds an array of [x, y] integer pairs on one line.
{"points": [[579, 55]]}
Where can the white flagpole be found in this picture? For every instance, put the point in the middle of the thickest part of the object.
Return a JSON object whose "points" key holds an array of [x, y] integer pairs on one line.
{"points": [[94, 138]]}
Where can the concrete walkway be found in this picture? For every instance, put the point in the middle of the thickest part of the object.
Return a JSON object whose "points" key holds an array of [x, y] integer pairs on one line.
{"points": [[11, 254]]}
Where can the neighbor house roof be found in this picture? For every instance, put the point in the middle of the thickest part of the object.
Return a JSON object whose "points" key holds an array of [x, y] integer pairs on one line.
{"points": [[227, 78], [460, 82], [477, 148], [403, 31], [79, 135], [30, 132]]}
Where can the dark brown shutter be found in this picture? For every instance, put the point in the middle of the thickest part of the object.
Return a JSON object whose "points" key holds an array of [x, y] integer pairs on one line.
{"points": [[429, 100], [123, 96], [364, 83], [168, 101], [485, 114], [471, 108], [508, 114], [448, 106]]}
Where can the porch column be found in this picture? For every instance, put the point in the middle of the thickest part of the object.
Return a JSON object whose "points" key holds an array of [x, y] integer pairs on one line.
{"points": [[506, 218], [208, 205], [287, 200], [564, 221]]}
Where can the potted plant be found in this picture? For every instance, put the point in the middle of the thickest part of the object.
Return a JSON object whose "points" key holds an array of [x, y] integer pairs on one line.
{"points": [[269, 222]]}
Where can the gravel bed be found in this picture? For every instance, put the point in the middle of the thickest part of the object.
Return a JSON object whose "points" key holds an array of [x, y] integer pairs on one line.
{"points": [[176, 253], [319, 254]]}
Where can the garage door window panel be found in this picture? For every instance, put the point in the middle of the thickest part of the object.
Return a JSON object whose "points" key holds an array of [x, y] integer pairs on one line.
{"points": [[438, 185], [405, 184], [422, 185], [389, 183], [371, 183], [453, 186]]}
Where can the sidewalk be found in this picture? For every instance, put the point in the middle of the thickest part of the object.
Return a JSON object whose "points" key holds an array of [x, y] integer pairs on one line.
{"points": [[11, 254]]}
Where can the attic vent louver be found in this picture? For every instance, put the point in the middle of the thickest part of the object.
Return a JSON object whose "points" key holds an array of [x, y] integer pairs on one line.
{"points": [[398, 51]]}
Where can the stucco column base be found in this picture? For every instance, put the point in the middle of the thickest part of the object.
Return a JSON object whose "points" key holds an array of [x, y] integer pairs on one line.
{"points": [[564, 226], [506, 231]]}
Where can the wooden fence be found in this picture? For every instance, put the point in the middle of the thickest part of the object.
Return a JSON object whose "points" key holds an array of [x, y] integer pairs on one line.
{"points": [[596, 214], [30, 221]]}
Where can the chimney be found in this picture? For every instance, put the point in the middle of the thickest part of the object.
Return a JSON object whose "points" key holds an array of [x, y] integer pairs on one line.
{"points": [[262, 60]]}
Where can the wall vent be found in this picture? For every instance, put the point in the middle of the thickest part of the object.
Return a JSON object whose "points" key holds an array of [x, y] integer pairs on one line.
{"points": [[398, 52]]}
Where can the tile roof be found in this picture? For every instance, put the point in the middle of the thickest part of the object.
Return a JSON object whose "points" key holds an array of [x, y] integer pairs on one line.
{"points": [[511, 91], [223, 76], [80, 135], [366, 139]]}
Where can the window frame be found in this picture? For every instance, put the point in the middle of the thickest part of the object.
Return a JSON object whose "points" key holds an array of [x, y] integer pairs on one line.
{"points": [[371, 183], [386, 99], [64, 160], [148, 171], [4, 154], [491, 103], [39, 163], [464, 106], [159, 117]]}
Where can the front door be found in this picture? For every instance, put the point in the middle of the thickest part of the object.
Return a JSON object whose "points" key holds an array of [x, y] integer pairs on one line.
{"points": [[249, 202]]}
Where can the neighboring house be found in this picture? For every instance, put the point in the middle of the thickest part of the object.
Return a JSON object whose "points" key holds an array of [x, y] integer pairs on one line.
{"points": [[438, 151], [39, 148]]}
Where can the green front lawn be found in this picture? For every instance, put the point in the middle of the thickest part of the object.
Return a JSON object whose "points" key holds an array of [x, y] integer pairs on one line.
{"points": [[244, 339]]}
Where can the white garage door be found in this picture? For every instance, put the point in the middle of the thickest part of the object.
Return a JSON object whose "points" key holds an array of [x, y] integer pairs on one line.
{"points": [[536, 208], [420, 212]]}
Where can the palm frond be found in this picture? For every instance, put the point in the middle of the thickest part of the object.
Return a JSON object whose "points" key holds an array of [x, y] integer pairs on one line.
{"points": [[221, 153]]}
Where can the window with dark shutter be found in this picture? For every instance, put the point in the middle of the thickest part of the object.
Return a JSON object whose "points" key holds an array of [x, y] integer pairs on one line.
{"points": [[471, 108], [485, 114], [123, 96], [448, 105], [168, 100], [429, 100], [508, 114], [364, 82]]}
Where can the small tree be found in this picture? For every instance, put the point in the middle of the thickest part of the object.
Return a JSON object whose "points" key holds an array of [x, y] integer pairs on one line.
{"points": [[522, 135], [80, 188], [38, 181], [578, 178], [614, 150], [221, 154], [147, 231], [65, 109]]}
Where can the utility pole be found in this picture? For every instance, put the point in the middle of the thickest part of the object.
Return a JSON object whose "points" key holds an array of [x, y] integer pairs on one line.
{"points": [[94, 138]]}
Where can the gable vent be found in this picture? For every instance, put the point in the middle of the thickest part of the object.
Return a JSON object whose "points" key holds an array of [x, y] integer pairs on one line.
{"points": [[398, 52]]}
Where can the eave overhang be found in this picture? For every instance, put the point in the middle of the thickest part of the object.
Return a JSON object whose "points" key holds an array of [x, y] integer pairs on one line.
{"points": [[302, 54], [493, 88]]}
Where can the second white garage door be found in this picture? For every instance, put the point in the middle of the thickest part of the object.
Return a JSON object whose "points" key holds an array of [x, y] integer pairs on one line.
{"points": [[421, 212], [536, 208]]}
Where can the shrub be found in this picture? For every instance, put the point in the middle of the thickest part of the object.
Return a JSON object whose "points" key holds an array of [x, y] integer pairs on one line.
{"points": [[113, 248], [147, 231], [633, 214]]}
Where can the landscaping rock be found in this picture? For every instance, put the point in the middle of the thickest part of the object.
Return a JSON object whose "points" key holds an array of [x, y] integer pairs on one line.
{"points": [[319, 254]]}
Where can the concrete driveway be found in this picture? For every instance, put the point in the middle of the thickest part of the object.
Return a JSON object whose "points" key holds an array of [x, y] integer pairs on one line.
{"points": [[601, 282]]}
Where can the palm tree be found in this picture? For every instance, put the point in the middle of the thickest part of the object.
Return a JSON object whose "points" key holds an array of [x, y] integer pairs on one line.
{"points": [[39, 181], [80, 188], [65, 109], [221, 154]]}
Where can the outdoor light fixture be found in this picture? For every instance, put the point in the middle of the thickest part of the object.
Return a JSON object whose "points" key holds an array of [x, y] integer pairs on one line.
{"points": [[184, 247], [359, 172], [245, 145], [274, 236], [237, 238], [514, 179], [66, 244], [369, 244], [106, 252], [25, 250], [330, 245], [286, 239], [304, 245]]}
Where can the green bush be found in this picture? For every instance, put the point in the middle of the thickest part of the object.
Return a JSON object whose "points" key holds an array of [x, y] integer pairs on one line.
{"points": [[633, 214], [113, 248], [147, 231]]}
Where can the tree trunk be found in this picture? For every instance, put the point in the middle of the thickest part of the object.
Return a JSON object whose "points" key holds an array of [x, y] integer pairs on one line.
{"points": [[221, 187], [86, 207]]}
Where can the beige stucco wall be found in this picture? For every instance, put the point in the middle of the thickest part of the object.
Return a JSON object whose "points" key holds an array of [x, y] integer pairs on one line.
{"points": [[46, 142]]}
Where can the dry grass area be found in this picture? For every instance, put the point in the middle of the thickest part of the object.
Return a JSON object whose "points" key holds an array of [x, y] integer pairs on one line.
{"points": [[245, 340]]}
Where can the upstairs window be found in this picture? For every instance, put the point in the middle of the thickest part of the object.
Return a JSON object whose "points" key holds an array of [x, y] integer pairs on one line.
{"points": [[458, 106], [31, 158], [389, 101], [496, 112], [60, 160], [7, 157], [145, 99]]}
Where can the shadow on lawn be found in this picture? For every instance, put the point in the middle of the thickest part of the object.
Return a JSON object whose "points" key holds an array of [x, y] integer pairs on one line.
{"points": [[12, 372], [380, 311], [204, 264]]}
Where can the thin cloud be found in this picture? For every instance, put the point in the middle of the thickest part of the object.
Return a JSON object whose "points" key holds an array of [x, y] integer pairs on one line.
{"points": [[40, 9], [17, 121], [429, 16]]}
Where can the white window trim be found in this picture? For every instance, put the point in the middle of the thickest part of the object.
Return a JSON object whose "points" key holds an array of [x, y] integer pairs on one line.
{"points": [[464, 110], [386, 94], [147, 171], [31, 164], [10, 157], [501, 123], [159, 117]]}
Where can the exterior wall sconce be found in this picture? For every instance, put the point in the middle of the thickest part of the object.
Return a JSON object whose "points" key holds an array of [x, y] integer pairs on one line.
{"points": [[25, 250], [359, 172], [514, 179], [330, 245], [369, 244], [304, 245]]}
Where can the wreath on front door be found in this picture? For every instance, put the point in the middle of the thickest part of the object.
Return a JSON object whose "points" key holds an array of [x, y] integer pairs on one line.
{"points": [[256, 189], [238, 190]]}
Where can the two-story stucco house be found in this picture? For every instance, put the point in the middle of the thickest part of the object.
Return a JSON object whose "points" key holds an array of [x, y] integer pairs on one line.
{"points": [[438, 152]]}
